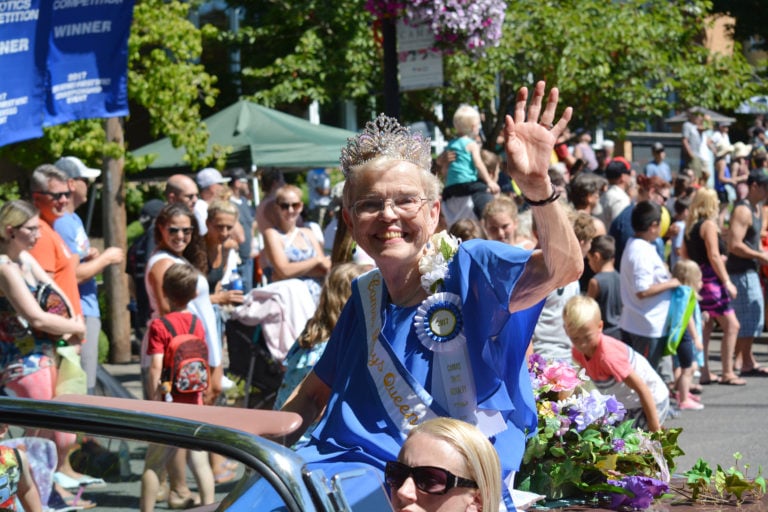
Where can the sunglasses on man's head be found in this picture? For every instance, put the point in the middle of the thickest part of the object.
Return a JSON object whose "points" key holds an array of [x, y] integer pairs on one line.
{"points": [[56, 196], [428, 479], [285, 206]]}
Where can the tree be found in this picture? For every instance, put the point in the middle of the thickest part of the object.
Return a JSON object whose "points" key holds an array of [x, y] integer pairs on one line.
{"points": [[619, 64], [164, 79], [295, 52]]}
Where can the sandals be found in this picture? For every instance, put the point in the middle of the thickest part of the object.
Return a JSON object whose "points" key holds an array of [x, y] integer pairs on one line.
{"points": [[757, 371], [733, 381]]}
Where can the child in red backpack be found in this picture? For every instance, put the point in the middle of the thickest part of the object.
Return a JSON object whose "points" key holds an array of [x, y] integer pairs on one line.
{"points": [[179, 287]]}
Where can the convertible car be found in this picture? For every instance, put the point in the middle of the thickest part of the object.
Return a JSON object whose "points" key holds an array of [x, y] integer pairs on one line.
{"points": [[247, 436]]}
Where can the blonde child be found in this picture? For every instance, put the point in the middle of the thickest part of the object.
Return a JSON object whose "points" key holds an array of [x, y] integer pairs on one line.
{"points": [[467, 175], [614, 367], [501, 223], [688, 273]]}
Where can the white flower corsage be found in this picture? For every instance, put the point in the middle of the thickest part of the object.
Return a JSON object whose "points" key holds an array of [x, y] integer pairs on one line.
{"points": [[433, 266]]}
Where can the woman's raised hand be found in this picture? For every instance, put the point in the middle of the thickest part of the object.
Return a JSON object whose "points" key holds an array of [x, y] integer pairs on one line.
{"points": [[529, 140]]}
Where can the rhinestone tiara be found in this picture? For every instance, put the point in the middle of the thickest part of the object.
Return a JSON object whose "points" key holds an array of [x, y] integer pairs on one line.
{"points": [[385, 137]]}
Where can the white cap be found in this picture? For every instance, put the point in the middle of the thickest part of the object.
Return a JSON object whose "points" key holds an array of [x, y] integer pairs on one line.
{"points": [[209, 176], [76, 169]]}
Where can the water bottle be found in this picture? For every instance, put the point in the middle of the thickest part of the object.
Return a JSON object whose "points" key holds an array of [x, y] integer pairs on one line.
{"points": [[235, 281]]}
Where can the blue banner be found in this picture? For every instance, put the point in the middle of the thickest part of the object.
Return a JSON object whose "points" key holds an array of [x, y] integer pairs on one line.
{"points": [[22, 86], [87, 59], [61, 60]]}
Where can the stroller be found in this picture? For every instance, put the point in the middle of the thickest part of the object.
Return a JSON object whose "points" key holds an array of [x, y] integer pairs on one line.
{"points": [[250, 359], [259, 334]]}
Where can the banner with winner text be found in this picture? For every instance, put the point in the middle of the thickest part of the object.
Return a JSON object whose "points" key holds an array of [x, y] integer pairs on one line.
{"points": [[22, 75], [88, 59], [68, 60]]}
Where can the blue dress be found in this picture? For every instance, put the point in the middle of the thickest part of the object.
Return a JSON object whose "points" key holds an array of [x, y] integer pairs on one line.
{"points": [[355, 427]]}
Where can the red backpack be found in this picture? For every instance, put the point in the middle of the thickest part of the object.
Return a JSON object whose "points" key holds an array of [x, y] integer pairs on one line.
{"points": [[185, 363]]}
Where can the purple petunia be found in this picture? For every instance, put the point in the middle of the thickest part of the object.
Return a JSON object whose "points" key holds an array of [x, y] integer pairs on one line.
{"points": [[643, 489], [476, 25]]}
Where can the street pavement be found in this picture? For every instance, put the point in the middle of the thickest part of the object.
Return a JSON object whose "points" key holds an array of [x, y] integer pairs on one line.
{"points": [[733, 419]]}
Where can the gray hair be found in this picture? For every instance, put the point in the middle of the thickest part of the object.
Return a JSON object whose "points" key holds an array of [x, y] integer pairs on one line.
{"points": [[38, 182]]}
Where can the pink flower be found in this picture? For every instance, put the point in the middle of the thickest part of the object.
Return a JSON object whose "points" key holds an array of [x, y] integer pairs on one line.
{"points": [[561, 377]]}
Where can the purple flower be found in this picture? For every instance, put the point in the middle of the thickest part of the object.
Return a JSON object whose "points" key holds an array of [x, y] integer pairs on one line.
{"points": [[618, 445], [643, 490]]}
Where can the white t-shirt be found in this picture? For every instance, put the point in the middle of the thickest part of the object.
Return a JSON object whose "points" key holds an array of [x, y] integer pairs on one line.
{"points": [[549, 338], [641, 267]]}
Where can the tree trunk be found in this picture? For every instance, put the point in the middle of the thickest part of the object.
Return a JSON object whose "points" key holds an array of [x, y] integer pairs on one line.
{"points": [[118, 318]]}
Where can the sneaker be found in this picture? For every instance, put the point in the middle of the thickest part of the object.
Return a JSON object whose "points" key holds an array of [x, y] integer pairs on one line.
{"points": [[690, 405]]}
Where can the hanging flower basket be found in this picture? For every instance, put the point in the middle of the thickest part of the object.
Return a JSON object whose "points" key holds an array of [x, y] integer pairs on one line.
{"points": [[468, 25]]}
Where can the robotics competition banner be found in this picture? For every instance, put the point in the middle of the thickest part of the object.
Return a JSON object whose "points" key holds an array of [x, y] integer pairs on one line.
{"points": [[61, 60]]}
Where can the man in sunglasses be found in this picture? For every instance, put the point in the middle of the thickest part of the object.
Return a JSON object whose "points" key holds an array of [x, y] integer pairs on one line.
{"points": [[51, 195], [92, 262]]}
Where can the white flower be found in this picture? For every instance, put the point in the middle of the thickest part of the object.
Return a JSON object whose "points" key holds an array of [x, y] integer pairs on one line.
{"points": [[433, 266]]}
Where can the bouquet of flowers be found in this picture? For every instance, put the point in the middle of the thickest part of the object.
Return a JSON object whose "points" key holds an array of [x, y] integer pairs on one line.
{"points": [[583, 449], [473, 24]]}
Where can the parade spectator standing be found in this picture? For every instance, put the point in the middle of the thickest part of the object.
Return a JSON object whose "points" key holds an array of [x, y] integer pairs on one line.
{"points": [[51, 194], [605, 285], [645, 285], [392, 204], [745, 255], [211, 184], [241, 193], [92, 262], [658, 166], [180, 288], [705, 246], [319, 187], [182, 189], [740, 168], [178, 189], [692, 143], [616, 198]]}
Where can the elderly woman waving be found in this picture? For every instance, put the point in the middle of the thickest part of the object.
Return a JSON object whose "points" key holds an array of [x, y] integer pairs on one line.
{"points": [[438, 329]]}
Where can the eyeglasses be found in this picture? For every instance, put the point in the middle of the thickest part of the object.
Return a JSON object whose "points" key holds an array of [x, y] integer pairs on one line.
{"points": [[404, 206], [56, 196], [286, 206], [428, 479], [185, 231]]}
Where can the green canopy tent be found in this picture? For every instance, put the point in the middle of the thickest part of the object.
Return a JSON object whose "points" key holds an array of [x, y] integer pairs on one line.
{"points": [[257, 135]]}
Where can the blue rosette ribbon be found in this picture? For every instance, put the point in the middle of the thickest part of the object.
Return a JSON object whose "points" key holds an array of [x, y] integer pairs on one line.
{"points": [[439, 323]]}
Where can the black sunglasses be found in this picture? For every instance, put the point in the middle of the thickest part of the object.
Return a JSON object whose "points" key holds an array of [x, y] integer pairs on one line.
{"points": [[56, 196], [285, 206], [428, 479], [185, 231]]}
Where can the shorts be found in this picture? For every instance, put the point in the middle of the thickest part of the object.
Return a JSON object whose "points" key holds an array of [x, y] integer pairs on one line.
{"points": [[714, 298], [684, 356], [749, 304]]}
